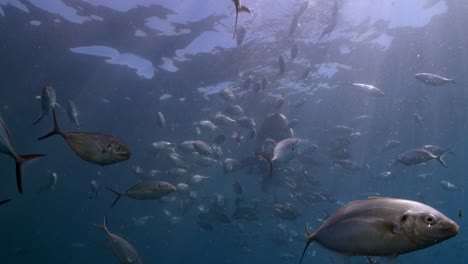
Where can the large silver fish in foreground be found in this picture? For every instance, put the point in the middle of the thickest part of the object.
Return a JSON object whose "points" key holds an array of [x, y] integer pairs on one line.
{"points": [[239, 8], [381, 226], [125, 252], [93, 147], [6, 147]]}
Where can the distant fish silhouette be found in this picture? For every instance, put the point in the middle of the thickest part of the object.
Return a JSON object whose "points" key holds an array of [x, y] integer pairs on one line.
{"points": [[239, 8]]}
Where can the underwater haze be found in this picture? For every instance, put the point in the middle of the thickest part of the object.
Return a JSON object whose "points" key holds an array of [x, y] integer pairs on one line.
{"points": [[216, 131]]}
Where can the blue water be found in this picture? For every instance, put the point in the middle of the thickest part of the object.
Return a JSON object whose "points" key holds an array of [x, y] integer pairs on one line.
{"points": [[119, 60]]}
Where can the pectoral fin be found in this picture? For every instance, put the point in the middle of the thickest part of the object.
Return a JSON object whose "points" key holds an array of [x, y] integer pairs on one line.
{"points": [[244, 9]]}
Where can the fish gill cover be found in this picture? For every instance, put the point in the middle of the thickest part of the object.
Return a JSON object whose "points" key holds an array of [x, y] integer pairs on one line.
{"points": [[161, 88]]}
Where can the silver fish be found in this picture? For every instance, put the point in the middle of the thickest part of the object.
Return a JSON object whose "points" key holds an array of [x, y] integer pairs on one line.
{"points": [[94, 188], [234, 110], [227, 95], [223, 120], [93, 147], [382, 227], [161, 120], [73, 113], [418, 156], [48, 100], [203, 148], [432, 79], [51, 182], [123, 250], [367, 89], [6, 147], [348, 165], [239, 8], [145, 190], [448, 186], [285, 150]]}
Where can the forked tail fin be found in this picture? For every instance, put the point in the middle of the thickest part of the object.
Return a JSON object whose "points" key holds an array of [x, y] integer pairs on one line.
{"points": [[55, 129], [20, 163], [309, 239], [118, 195]]}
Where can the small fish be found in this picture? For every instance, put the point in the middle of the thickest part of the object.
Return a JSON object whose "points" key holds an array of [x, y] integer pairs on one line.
{"points": [[448, 186], [6, 147], [49, 101], [4, 201], [285, 150], [203, 148], [234, 110], [348, 165], [227, 95], [72, 113], [93, 147], [123, 250], [52, 181], [145, 190], [418, 156], [161, 120], [367, 89], [94, 188], [294, 50], [432, 79], [221, 119], [382, 226], [459, 213], [239, 8]]}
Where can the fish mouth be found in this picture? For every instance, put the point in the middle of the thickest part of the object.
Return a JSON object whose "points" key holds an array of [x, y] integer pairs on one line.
{"points": [[451, 230]]}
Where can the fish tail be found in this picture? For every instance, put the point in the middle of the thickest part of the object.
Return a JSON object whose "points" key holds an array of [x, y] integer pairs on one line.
{"points": [[55, 129], [440, 158], [4, 201], [39, 118], [244, 9], [118, 195], [103, 226], [235, 25], [453, 81], [309, 239], [20, 162]]}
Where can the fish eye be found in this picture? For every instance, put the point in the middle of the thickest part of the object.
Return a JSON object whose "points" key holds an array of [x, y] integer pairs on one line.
{"points": [[430, 219]]}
